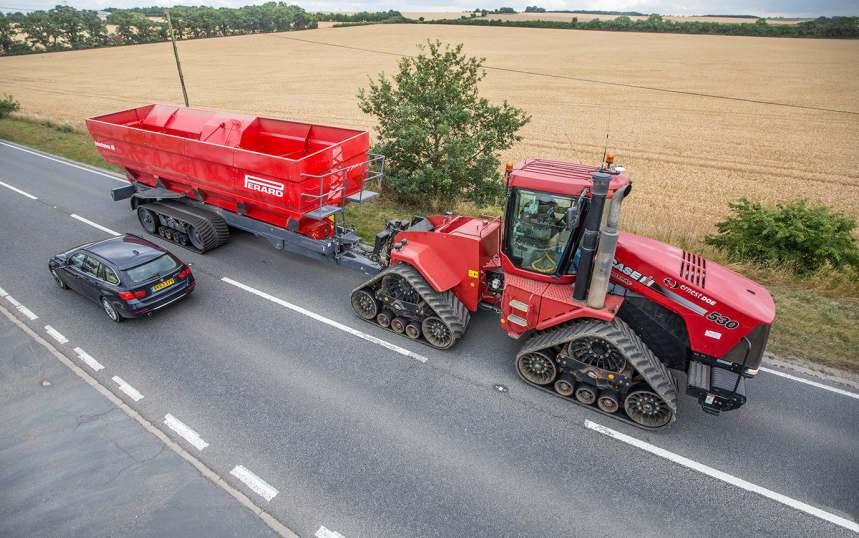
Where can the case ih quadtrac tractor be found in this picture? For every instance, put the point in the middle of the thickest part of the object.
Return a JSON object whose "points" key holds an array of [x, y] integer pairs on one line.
{"points": [[605, 316]]}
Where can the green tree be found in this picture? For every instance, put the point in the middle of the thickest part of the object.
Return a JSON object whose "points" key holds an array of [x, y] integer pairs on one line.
{"points": [[7, 34], [440, 138]]}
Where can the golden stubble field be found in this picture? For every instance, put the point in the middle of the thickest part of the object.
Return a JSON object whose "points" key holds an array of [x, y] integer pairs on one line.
{"points": [[688, 155]]}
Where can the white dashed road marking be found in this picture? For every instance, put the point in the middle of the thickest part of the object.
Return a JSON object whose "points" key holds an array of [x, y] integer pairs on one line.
{"points": [[255, 483], [327, 533], [19, 307], [67, 163], [56, 335], [93, 224], [87, 359], [132, 392], [19, 191], [185, 432], [812, 383], [724, 477], [329, 322]]}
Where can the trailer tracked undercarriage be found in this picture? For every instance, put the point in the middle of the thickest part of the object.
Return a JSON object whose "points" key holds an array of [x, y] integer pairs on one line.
{"points": [[400, 300]]}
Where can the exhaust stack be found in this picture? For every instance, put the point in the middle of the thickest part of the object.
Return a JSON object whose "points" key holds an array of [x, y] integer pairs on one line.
{"points": [[591, 233], [605, 252]]}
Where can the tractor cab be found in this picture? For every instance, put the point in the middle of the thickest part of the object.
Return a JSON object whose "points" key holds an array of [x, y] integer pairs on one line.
{"points": [[547, 202]]}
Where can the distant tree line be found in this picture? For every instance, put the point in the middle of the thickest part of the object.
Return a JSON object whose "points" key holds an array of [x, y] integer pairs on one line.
{"points": [[67, 28], [361, 16], [822, 27]]}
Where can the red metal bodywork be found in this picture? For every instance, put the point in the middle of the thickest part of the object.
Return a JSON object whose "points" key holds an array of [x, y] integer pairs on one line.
{"points": [[269, 166], [455, 255], [458, 254]]}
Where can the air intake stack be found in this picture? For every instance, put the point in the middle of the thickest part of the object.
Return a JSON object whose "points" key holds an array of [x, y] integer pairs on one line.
{"points": [[590, 235]]}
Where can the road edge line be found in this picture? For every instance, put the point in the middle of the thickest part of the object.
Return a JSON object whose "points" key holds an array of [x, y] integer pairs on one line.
{"points": [[724, 477], [61, 160], [208, 473]]}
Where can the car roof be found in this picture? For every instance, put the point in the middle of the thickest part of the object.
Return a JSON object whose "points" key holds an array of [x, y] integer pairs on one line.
{"points": [[125, 251]]}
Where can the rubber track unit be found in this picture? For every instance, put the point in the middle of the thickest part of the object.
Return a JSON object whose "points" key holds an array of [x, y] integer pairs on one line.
{"points": [[212, 227], [627, 342], [445, 304]]}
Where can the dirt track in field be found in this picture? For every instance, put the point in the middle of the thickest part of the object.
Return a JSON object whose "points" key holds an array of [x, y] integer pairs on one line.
{"points": [[688, 154]]}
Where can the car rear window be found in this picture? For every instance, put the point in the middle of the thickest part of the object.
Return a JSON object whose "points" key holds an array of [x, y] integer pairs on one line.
{"points": [[159, 266]]}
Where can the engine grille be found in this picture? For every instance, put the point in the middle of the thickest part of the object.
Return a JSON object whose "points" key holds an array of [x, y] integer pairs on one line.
{"points": [[693, 269]]}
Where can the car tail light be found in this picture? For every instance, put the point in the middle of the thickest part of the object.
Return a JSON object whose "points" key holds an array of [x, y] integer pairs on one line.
{"points": [[184, 272], [129, 295]]}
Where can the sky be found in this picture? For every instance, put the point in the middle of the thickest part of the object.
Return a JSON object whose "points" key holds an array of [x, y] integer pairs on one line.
{"points": [[785, 8]]}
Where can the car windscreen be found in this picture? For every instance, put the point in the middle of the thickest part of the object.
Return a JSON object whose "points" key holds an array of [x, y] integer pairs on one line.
{"points": [[159, 266]]}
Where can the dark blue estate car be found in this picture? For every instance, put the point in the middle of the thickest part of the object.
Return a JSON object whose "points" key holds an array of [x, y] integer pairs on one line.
{"points": [[127, 275]]}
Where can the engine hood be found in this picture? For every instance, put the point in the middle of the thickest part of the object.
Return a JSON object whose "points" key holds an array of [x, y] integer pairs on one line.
{"points": [[695, 279]]}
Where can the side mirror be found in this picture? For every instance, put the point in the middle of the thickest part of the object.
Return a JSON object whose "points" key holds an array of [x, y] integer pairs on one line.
{"points": [[572, 217]]}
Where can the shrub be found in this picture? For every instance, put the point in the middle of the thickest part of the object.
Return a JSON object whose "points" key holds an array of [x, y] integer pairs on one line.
{"points": [[8, 105], [800, 236]]}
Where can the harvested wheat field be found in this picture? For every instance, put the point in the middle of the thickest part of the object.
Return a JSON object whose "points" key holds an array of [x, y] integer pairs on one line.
{"points": [[688, 155]]}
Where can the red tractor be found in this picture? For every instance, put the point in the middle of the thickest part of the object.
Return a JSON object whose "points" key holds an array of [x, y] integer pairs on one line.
{"points": [[607, 316]]}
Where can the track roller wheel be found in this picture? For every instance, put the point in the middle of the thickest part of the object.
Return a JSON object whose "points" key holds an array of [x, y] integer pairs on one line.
{"points": [[565, 386], [586, 394], [363, 303], [437, 333], [398, 325], [413, 331], [148, 219], [537, 368], [608, 401], [384, 319], [645, 407]]}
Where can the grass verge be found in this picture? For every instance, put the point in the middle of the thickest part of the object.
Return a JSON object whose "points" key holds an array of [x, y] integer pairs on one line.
{"points": [[817, 317]]}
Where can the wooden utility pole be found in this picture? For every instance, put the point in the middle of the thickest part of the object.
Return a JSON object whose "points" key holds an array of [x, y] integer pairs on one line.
{"points": [[176, 55]]}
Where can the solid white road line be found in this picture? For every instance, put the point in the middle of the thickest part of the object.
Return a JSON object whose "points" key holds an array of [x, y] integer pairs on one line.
{"points": [[725, 477], [12, 300], [19, 191], [132, 392], [67, 163], [3, 293], [255, 483], [56, 335], [87, 359], [327, 533], [93, 224], [812, 383], [185, 432], [329, 322]]}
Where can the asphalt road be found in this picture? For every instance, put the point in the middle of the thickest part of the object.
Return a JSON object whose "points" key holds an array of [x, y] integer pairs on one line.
{"points": [[367, 441], [74, 464]]}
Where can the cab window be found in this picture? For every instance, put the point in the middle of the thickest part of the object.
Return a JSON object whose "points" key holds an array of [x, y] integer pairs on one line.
{"points": [[538, 234]]}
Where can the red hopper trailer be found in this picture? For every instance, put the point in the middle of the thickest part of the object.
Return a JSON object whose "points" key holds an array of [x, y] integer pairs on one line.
{"points": [[280, 179]]}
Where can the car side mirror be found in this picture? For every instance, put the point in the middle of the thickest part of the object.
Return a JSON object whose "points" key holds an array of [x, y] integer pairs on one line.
{"points": [[572, 218]]}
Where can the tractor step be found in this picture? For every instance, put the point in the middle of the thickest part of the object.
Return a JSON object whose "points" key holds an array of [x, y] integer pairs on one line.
{"points": [[361, 197], [717, 389]]}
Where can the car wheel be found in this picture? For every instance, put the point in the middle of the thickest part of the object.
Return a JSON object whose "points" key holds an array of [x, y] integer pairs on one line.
{"points": [[110, 310], [57, 280]]}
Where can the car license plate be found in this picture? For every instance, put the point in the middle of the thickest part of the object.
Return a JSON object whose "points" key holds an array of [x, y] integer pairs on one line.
{"points": [[161, 285]]}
